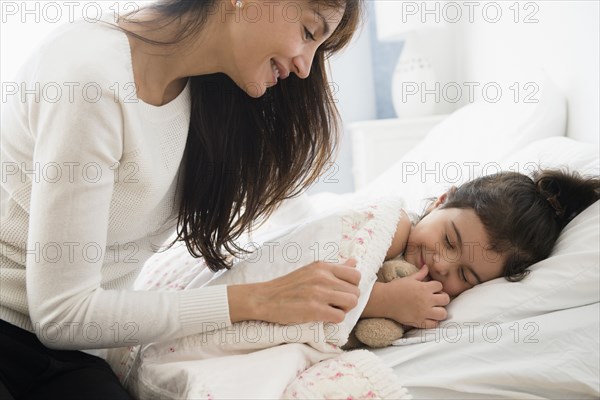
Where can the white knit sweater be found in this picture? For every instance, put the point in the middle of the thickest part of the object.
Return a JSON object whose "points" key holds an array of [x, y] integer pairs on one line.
{"points": [[88, 186]]}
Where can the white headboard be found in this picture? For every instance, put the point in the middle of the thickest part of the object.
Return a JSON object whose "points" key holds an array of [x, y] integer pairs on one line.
{"points": [[564, 41]]}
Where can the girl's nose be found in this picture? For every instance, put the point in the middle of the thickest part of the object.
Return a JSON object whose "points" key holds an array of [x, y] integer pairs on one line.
{"points": [[442, 269], [441, 266]]}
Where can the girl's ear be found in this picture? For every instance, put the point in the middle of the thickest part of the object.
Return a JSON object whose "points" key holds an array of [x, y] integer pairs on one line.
{"points": [[442, 199]]}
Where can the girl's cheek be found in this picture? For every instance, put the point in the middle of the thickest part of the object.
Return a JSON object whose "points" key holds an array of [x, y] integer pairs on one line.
{"points": [[451, 289]]}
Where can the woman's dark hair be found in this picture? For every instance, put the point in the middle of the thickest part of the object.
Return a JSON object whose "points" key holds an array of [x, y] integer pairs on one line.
{"points": [[245, 155], [523, 217]]}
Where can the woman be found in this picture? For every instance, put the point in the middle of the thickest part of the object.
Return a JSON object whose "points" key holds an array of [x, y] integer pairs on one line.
{"points": [[202, 115]]}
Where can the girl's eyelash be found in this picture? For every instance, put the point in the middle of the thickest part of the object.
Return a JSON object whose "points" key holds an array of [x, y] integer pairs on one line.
{"points": [[448, 242], [462, 275], [309, 35], [461, 271]]}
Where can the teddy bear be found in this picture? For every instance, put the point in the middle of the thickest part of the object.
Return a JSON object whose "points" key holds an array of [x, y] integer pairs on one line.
{"points": [[381, 332]]}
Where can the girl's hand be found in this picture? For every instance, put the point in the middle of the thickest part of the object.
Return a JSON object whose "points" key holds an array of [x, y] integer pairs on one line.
{"points": [[316, 292], [409, 301]]}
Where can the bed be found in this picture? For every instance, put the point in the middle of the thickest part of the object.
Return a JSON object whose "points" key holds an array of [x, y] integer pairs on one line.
{"points": [[544, 332], [535, 339]]}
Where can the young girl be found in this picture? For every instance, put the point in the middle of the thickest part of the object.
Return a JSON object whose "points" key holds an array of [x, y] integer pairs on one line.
{"points": [[493, 226], [188, 117]]}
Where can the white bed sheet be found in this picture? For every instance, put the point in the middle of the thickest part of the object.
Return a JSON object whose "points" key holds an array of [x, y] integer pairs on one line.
{"points": [[547, 356]]}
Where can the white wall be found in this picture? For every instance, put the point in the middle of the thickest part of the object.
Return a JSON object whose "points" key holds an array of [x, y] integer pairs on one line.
{"points": [[352, 78], [24, 24], [21, 33], [562, 37]]}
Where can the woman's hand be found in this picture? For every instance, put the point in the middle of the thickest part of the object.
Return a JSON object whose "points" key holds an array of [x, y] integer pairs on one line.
{"points": [[409, 301], [316, 292]]}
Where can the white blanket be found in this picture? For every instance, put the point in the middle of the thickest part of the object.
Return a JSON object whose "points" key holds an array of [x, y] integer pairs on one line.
{"points": [[256, 359]]}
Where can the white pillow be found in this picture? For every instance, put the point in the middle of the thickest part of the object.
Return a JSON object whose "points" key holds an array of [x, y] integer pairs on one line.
{"points": [[471, 142], [555, 152]]}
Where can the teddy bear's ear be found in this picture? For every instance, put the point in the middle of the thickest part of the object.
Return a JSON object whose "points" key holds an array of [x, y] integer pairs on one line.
{"points": [[396, 268], [406, 269], [387, 272]]}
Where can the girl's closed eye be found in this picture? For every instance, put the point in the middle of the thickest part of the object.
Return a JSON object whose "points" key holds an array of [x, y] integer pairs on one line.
{"points": [[463, 277], [448, 243]]}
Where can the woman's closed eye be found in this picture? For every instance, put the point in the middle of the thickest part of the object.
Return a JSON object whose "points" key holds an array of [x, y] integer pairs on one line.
{"points": [[308, 35]]}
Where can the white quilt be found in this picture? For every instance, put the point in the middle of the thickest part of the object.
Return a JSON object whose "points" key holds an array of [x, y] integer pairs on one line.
{"points": [[256, 359]]}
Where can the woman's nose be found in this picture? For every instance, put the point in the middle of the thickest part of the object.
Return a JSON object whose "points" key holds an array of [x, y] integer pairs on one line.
{"points": [[303, 63]]}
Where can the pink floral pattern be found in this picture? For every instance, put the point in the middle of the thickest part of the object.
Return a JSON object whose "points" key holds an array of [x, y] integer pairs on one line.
{"points": [[357, 231], [171, 270], [332, 379]]}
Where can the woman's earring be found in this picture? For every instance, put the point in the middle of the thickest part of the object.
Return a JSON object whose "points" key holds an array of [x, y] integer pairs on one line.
{"points": [[239, 4]]}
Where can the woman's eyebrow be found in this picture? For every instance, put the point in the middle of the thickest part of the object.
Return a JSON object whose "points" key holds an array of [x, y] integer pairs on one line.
{"points": [[326, 27]]}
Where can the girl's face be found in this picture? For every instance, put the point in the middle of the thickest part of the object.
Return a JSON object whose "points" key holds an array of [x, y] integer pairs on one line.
{"points": [[273, 39], [454, 245]]}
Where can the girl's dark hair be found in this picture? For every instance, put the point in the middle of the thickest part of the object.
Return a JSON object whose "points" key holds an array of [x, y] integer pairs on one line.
{"points": [[245, 155], [523, 217]]}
